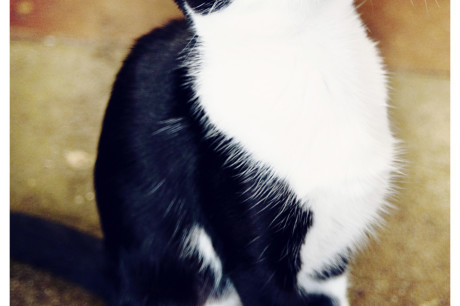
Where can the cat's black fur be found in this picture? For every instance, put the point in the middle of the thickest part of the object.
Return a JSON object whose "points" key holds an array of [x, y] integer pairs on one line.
{"points": [[203, 6], [60, 250]]}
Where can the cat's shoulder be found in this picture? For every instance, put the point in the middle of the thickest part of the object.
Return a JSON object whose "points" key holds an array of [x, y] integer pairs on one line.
{"points": [[161, 46]]}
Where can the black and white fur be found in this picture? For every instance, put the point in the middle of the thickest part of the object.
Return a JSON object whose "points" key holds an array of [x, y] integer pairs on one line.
{"points": [[245, 155]]}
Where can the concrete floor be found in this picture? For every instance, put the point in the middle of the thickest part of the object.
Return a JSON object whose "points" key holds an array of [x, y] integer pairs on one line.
{"points": [[60, 82]]}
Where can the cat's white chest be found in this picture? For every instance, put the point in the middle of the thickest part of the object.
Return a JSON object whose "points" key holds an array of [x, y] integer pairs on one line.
{"points": [[308, 103]]}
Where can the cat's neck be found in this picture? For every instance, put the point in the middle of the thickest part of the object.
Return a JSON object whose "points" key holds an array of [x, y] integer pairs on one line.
{"points": [[261, 19]]}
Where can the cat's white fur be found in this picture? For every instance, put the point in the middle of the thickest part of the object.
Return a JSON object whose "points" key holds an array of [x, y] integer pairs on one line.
{"points": [[336, 287], [229, 298], [198, 242], [301, 87]]}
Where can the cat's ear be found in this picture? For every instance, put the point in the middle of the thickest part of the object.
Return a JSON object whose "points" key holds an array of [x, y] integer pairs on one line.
{"points": [[202, 6]]}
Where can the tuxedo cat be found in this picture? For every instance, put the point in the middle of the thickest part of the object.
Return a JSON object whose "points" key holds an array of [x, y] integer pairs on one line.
{"points": [[245, 155]]}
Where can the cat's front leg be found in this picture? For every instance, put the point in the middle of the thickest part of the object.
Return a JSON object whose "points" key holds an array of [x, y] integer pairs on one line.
{"points": [[330, 279], [344, 215], [264, 258], [259, 288]]}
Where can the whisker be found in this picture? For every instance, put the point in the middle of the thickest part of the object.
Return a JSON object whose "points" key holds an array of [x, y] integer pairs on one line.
{"points": [[361, 4]]}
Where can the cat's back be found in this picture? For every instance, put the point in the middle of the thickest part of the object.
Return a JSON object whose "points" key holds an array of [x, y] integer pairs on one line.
{"points": [[148, 141], [148, 96]]}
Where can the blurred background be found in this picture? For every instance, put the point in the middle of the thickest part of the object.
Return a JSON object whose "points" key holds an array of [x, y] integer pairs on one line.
{"points": [[64, 55]]}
